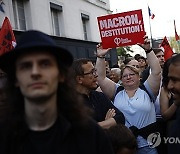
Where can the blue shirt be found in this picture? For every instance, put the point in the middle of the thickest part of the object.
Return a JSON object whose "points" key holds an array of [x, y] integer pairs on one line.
{"points": [[138, 110]]}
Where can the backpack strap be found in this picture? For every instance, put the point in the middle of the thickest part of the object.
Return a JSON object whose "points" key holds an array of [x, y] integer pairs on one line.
{"points": [[120, 88]]}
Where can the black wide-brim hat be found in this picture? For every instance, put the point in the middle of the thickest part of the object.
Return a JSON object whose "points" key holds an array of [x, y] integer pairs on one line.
{"points": [[35, 40]]}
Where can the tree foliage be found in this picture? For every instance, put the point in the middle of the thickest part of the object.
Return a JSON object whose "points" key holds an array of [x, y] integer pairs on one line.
{"points": [[123, 51], [175, 44]]}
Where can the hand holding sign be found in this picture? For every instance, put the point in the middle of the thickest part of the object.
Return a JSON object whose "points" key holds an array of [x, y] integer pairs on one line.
{"points": [[146, 46], [100, 51]]}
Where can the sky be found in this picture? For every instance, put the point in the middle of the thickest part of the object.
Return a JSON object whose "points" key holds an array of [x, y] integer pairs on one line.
{"points": [[166, 11]]}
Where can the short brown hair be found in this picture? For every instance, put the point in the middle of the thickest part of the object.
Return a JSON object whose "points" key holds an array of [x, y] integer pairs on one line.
{"points": [[121, 137], [157, 50]]}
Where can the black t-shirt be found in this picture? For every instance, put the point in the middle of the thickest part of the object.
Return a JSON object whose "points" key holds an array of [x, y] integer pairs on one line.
{"points": [[45, 142], [62, 138]]}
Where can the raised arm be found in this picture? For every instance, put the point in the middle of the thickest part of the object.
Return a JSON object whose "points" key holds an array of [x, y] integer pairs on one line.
{"points": [[154, 78], [107, 86]]}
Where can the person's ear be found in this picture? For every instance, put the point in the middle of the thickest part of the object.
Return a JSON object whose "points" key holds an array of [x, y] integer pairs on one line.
{"points": [[79, 79]]}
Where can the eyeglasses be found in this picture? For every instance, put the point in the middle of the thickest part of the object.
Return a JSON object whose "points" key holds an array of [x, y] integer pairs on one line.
{"points": [[137, 66], [128, 75], [92, 72]]}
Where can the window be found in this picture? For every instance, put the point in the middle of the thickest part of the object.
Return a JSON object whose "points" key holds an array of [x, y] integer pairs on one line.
{"points": [[55, 16], [85, 29], [85, 20], [55, 22], [19, 14]]}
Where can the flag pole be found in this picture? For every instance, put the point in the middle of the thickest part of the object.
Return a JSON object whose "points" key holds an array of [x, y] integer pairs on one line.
{"points": [[152, 44], [151, 33]]}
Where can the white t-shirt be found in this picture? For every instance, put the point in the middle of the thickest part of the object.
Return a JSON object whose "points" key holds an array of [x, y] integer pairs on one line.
{"points": [[138, 110]]}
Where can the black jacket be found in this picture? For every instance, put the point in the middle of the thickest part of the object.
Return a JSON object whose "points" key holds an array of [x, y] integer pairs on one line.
{"points": [[100, 104], [174, 135]]}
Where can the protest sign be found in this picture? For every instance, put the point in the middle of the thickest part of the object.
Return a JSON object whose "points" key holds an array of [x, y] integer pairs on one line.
{"points": [[121, 29]]}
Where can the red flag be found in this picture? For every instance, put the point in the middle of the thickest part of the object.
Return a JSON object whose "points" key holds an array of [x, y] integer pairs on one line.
{"points": [[168, 52], [176, 35], [7, 38]]}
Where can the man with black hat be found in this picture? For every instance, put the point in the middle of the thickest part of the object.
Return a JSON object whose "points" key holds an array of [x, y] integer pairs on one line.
{"points": [[45, 114]]}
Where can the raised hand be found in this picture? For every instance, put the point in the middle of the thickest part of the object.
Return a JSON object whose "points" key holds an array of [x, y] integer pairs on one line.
{"points": [[146, 46], [101, 51]]}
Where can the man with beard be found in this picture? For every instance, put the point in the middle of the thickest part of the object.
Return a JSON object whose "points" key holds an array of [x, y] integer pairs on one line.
{"points": [[105, 113], [174, 88], [162, 125], [174, 78]]}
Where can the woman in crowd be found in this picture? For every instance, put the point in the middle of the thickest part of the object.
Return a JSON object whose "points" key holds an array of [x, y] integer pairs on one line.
{"points": [[135, 102]]}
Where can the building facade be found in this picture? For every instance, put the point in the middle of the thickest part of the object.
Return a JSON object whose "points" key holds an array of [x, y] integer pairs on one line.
{"points": [[72, 23]]}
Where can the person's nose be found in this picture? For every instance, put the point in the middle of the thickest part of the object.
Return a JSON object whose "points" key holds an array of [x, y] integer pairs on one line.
{"points": [[128, 76], [35, 71], [162, 58], [95, 75]]}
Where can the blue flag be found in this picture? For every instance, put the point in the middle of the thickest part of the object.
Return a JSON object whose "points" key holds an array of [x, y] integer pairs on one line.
{"points": [[1, 6], [152, 15]]}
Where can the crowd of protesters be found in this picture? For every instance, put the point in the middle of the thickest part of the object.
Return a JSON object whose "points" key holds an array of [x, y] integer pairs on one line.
{"points": [[52, 103]]}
